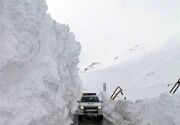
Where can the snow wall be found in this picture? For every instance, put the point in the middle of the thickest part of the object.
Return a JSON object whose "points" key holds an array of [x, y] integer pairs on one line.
{"points": [[163, 110], [39, 81]]}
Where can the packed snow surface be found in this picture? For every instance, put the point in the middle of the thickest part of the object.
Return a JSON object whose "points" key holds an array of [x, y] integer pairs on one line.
{"points": [[39, 81]]}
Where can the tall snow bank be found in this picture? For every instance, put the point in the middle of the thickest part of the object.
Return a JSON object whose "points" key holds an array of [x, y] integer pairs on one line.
{"points": [[164, 110], [39, 81]]}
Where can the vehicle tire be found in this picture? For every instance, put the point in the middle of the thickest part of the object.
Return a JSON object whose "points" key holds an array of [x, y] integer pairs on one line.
{"points": [[100, 117], [80, 117]]}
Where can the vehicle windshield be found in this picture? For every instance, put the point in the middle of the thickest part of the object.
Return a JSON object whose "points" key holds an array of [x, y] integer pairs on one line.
{"points": [[89, 99]]}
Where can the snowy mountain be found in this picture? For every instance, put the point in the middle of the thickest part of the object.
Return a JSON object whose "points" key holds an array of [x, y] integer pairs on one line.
{"points": [[140, 77], [38, 66]]}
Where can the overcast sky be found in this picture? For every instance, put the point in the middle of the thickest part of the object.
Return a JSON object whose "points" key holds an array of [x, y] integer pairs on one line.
{"points": [[106, 28]]}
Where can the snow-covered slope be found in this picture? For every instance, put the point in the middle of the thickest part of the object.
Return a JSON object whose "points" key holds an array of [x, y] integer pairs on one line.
{"points": [[39, 81], [140, 77]]}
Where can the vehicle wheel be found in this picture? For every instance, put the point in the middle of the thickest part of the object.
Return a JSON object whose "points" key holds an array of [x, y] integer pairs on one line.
{"points": [[80, 117], [100, 117]]}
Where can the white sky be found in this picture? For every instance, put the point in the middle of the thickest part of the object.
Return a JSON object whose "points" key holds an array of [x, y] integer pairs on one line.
{"points": [[106, 28]]}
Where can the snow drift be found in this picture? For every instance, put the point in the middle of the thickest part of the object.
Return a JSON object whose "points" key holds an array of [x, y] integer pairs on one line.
{"points": [[39, 81], [164, 110]]}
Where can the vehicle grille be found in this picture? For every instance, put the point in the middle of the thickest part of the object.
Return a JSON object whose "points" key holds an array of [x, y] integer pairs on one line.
{"points": [[90, 109]]}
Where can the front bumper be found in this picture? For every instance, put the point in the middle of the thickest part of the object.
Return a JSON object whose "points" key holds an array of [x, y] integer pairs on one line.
{"points": [[90, 114], [90, 111]]}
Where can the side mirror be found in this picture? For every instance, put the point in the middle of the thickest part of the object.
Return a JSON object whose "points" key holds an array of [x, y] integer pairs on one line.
{"points": [[78, 101]]}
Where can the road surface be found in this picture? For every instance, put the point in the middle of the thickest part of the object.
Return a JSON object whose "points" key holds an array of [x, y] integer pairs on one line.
{"points": [[91, 121]]}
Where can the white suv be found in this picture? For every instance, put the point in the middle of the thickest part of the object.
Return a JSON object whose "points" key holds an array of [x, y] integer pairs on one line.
{"points": [[89, 105]]}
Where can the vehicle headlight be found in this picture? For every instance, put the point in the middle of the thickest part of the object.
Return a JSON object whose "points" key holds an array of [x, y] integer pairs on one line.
{"points": [[81, 107], [99, 107]]}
